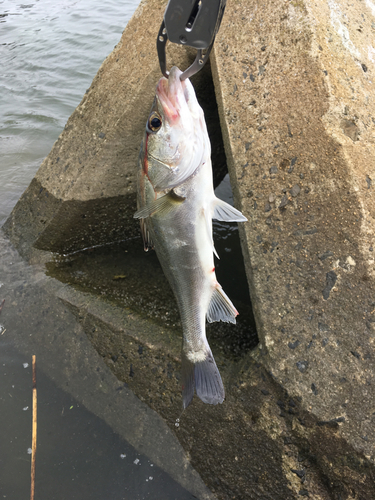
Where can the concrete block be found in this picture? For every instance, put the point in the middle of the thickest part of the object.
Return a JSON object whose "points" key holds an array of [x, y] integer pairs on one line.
{"points": [[295, 91]]}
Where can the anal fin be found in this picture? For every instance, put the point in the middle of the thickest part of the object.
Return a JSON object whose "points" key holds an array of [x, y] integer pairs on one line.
{"points": [[221, 307]]}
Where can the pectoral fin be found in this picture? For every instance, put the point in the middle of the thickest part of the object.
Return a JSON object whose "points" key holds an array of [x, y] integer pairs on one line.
{"points": [[225, 212], [160, 206]]}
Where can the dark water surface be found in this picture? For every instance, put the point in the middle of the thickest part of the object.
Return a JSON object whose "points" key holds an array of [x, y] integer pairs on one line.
{"points": [[79, 456]]}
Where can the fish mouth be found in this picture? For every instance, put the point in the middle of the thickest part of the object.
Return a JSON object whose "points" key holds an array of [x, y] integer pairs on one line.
{"points": [[172, 95]]}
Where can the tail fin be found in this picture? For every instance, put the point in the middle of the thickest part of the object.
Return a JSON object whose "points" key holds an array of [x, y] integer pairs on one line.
{"points": [[205, 377]]}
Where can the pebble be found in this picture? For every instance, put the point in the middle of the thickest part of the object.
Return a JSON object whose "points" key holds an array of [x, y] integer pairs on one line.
{"points": [[299, 473], [292, 163], [302, 366], [331, 278], [295, 190], [293, 345], [273, 169], [284, 201], [324, 255], [323, 327]]}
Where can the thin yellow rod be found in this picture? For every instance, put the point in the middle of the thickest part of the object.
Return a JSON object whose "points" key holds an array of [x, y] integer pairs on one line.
{"points": [[33, 447]]}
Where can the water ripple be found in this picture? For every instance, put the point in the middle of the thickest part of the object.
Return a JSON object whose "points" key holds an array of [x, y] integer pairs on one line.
{"points": [[49, 53]]}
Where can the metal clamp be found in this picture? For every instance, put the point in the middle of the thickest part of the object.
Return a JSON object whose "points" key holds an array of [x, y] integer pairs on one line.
{"points": [[194, 23]]}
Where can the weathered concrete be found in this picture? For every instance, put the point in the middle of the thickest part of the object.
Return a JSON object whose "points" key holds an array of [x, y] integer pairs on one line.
{"points": [[294, 89], [260, 444], [294, 84]]}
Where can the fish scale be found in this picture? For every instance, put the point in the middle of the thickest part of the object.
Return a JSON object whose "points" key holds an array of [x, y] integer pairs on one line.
{"points": [[176, 205]]}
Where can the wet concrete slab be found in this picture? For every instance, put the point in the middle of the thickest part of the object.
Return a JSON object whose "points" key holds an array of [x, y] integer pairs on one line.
{"points": [[87, 419]]}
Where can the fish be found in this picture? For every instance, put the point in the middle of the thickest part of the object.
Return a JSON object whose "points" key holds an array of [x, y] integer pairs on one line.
{"points": [[175, 205]]}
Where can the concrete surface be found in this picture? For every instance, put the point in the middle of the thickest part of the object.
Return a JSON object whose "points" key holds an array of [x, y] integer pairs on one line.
{"points": [[296, 102]]}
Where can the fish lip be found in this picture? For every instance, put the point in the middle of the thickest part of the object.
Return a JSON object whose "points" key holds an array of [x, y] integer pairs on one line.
{"points": [[170, 111], [168, 92]]}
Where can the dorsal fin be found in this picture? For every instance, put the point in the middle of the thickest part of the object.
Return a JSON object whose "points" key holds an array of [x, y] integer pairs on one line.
{"points": [[225, 212]]}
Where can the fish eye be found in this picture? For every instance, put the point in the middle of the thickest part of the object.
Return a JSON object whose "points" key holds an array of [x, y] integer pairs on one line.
{"points": [[154, 122]]}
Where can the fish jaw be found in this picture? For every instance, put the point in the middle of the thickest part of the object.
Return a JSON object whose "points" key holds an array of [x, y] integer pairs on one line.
{"points": [[178, 98]]}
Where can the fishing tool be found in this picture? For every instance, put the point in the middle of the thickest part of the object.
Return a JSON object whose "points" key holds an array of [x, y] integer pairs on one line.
{"points": [[194, 23]]}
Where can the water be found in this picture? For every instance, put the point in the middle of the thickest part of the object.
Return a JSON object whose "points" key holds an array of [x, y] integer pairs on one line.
{"points": [[78, 454], [49, 53]]}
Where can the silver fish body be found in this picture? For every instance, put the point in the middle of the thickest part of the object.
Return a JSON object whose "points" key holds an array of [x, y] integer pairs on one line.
{"points": [[176, 205]]}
